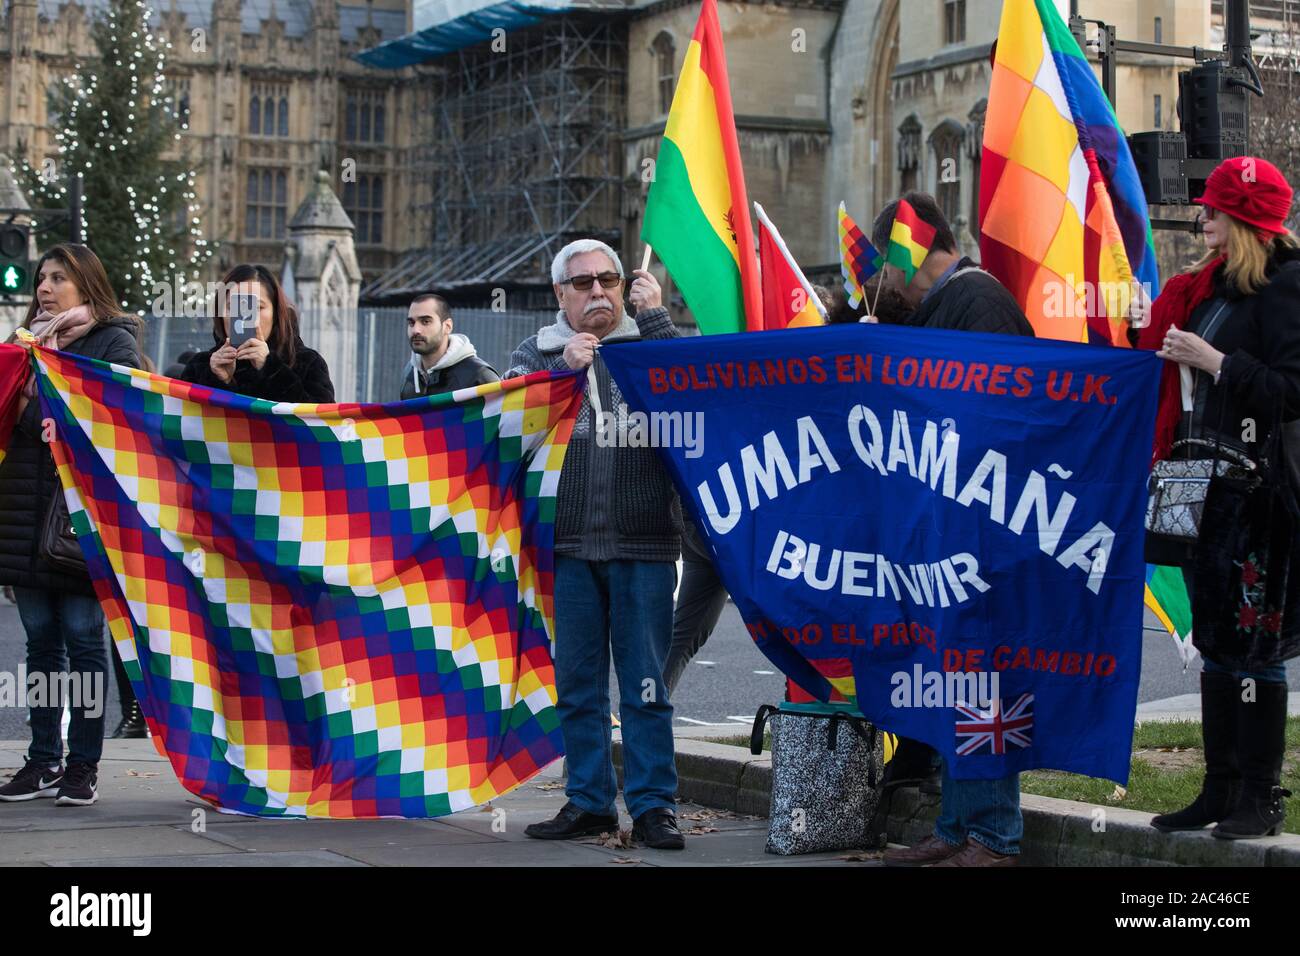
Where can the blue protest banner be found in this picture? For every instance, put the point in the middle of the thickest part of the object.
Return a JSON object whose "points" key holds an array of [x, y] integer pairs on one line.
{"points": [[953, 519]]}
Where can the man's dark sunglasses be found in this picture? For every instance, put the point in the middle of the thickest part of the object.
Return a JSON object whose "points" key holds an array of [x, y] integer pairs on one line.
{"points": [[608, 280]]}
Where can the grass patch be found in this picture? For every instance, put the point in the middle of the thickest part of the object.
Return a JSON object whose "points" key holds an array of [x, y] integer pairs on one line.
{"points": [[1164, 775]]}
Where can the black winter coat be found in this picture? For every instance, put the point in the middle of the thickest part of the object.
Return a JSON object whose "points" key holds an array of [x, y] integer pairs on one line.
{"points": [[972, 302], [307, 380], [1259, 384], [1260, 337], [466, 373], [28, 480]]}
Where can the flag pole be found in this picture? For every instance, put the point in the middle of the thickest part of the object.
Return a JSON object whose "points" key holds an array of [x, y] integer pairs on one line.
{"points": [[876, 299], [645, 259]]}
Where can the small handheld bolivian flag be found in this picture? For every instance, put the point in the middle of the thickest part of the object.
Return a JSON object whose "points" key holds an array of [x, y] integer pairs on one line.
{"points": [[910, 240]]}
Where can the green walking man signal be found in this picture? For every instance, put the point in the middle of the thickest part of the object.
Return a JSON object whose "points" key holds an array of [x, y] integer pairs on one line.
{"points": [[15, 265]]}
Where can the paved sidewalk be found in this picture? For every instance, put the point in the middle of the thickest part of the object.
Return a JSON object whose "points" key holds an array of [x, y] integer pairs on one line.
{"points": [[1188, 707], [145, 818]]}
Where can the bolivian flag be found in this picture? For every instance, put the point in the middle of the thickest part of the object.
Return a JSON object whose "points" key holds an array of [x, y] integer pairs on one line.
{"points": [[910, 240], [697, 213]]}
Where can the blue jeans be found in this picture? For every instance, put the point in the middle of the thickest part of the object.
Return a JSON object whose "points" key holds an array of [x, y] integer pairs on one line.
{"points": [[626, 606], [1276, 673], [988, 811], [62, 630]]}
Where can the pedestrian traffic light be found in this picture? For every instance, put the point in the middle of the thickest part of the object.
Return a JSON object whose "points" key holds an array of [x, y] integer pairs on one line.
{"points": [[15, 265]]}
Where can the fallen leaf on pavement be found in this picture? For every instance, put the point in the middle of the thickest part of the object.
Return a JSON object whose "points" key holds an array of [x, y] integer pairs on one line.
{"points": [[859, 857], [622, 840], [702, 830], [700, 815], [624, 859], [137, 773], [550, 786]]}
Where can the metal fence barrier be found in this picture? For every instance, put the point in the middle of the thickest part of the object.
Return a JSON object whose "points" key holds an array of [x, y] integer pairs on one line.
{"points": [[384, 353], [382, 349]]}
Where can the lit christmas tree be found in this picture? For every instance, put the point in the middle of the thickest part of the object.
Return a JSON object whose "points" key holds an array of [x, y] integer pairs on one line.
{"points": [[117, 122]]}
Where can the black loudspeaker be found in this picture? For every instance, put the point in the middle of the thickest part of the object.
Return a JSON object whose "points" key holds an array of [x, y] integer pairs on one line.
{"points": [[1213, 110], [1159, 158]]}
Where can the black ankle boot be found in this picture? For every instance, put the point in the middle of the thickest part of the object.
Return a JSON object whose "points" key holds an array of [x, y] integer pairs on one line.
{"points": [[1259, 813], [132, 726], [1220, 695], [1261, 734]]}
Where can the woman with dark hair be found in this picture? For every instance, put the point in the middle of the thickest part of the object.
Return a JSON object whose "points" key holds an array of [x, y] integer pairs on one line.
{"points": [[274, 364], [74, 310], [1233, 319]]}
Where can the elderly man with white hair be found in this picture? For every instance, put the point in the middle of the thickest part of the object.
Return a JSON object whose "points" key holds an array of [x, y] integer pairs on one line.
{"points": [[617, 538]]}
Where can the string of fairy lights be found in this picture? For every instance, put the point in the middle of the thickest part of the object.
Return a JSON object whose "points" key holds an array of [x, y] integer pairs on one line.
{"points": [[134, 46]]}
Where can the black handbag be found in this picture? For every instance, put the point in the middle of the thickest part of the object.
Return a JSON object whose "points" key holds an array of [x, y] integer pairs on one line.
{"points": [[1178, 487], [1243, 595], [59, 545]]}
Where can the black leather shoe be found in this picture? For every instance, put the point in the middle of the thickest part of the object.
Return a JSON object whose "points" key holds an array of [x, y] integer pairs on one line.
{"points": [[657, 829], [932, 783], [572, 821], [132, 726]]}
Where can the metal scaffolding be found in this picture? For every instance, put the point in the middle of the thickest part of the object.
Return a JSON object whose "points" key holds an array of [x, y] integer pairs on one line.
{"points": [[519, 153]]}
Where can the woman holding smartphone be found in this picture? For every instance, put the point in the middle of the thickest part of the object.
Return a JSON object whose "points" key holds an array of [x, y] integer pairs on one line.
{"points": [[268, 360]]}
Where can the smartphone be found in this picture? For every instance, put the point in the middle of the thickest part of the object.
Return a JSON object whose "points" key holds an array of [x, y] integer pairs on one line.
{"points": [[243, 318]]}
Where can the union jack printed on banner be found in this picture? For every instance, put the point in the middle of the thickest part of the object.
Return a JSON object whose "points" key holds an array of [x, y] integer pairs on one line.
{"points": [[1001, 726]]}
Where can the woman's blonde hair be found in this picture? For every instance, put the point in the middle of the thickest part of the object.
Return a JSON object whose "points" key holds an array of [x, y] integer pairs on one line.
{"points": [[1247, 257]]}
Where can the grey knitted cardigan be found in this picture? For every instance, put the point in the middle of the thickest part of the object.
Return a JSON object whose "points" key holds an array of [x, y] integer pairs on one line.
{"points": [[612, 503]]}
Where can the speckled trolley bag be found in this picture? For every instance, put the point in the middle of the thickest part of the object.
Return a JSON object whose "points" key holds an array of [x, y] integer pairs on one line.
{"points": [[828, 763]]}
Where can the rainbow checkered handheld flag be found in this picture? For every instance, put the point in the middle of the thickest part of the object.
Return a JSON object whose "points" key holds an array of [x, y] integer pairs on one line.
{"points": [[325, 610], [859, 260]]}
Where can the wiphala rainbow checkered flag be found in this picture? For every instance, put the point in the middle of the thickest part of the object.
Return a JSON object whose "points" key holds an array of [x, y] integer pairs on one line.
{"points": [[325, 610]]}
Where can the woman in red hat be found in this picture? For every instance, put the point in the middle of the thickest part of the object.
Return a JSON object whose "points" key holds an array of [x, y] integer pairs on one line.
{"points": [[1233, 320]]}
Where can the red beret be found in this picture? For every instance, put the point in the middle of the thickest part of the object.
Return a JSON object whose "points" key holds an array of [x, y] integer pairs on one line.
{"points": [[1252, 190]]}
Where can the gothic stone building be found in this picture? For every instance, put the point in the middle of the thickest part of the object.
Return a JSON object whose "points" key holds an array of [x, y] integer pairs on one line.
{"points": [[853, 100], [478, 149], [272, 94]]}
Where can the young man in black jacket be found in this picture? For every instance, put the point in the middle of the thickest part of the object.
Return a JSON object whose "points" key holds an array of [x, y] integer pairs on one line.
{"points": [[441, 360], [980, 823]]}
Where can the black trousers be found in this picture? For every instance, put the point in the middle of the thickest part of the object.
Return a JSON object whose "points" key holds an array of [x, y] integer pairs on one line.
{"points": [[700, 600]]}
